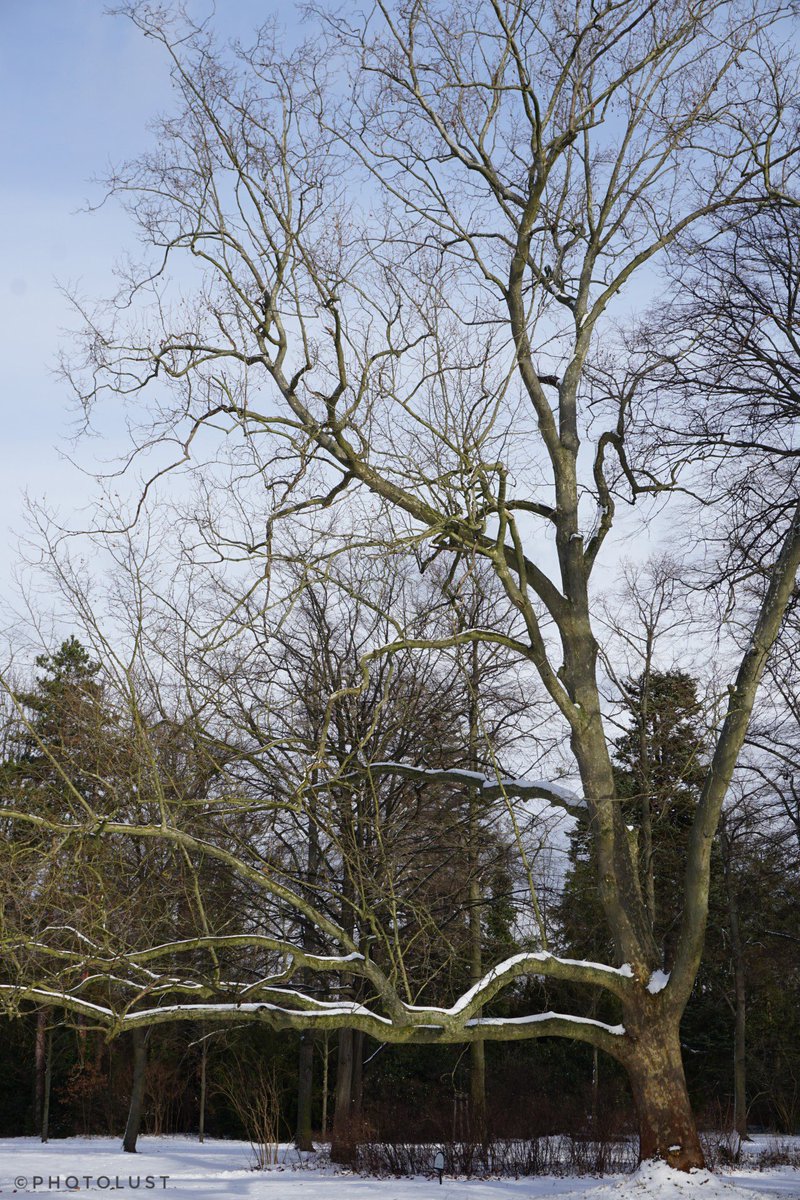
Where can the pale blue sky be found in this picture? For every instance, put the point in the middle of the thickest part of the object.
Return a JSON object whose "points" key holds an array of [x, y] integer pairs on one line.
{"points": [[77, 89]]}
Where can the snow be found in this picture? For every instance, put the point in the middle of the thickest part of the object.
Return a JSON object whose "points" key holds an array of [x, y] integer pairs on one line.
{"points": [[657, 982], [656, 1181], [535, 1018], [324, 1008], [537, 789], [222, 1168], [528, 960]]}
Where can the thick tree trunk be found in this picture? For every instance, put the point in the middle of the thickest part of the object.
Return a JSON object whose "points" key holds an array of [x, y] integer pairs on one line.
{"points": [[357, 1092], [305, 1089], [667, 1128], [341, 1139], [137, 1091]]}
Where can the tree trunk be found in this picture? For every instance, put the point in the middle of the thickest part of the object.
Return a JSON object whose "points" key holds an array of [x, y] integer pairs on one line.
{"points": [[305, 1066], [305, 1089], [357, 1093], [48, 1077], [137, 1091], [477, 1092], [667, 1128], [341, 1139], [477, 1050], [740, 1055], [326, 1057], [40, 1066], [740, 1006], [201, 1120]]}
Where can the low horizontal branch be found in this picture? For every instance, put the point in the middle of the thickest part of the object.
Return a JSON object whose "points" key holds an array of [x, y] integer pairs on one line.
{"points": [[333, 1016]]}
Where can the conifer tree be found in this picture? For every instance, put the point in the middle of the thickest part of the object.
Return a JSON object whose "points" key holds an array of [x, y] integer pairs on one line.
{"points": [[658, 771]]}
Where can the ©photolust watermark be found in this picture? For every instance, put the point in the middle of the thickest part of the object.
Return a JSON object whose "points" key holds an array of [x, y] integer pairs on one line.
{"points": [[110, 1183]]}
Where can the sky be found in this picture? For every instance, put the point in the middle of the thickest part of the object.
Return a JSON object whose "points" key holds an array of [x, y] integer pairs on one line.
{"points": [[78, 88]]}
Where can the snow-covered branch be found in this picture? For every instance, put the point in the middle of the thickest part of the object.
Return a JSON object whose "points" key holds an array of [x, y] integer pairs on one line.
{"points": [[489, 786], [305, 1012], [542, 963]]}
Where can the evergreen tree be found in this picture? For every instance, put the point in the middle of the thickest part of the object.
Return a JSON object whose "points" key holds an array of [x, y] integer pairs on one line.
{"points": [[658, 771]]}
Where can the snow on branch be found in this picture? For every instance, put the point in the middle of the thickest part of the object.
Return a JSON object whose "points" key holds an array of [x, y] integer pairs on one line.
{"points": [[489, 786], [539, 962], [298, 956], [289, 1009], [485, 1024], [352, 1015]]}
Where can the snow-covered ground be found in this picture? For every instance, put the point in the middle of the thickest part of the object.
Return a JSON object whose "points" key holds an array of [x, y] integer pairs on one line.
{"points": [[180, 1167]]}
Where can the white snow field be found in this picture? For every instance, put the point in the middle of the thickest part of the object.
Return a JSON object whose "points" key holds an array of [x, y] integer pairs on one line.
{"points": [[179, 1167]]}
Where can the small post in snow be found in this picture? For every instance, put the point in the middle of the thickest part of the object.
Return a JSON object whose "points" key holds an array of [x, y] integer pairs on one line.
{"points": [[438, 1164]]}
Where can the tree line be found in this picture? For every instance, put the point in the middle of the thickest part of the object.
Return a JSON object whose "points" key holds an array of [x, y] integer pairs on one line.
{"points": [[462, 870]]}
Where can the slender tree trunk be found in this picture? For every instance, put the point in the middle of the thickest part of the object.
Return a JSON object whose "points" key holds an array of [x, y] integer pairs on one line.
{"points": [[740, 1055], [48, 1078], [740, 1006], [201, 1120], [326, 1055], [477, 1051], [40, 1066], [305, 1065], [137, 1090], [305, 1091], [341, 1140]]}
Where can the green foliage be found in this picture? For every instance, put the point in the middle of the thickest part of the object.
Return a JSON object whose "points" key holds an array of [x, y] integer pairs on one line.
{"points": [[658, 771]]}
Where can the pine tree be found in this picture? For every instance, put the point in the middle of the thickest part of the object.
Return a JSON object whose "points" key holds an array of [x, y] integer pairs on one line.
{"points": [[658, 770]]}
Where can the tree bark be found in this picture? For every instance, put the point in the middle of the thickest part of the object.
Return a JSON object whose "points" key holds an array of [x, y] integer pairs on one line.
{"points": [[137, 1091], [305, 1091], [201, 1120], [40, 1066], [477, 1050], [48, 1077], [357, 1090], [341, 1139], [326, 1054], [477, 1091], [740, 996], [740, 1052], [667, 1128]]}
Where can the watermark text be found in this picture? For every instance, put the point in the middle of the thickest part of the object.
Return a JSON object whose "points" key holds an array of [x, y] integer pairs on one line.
{"points": [[105, 1183]]}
